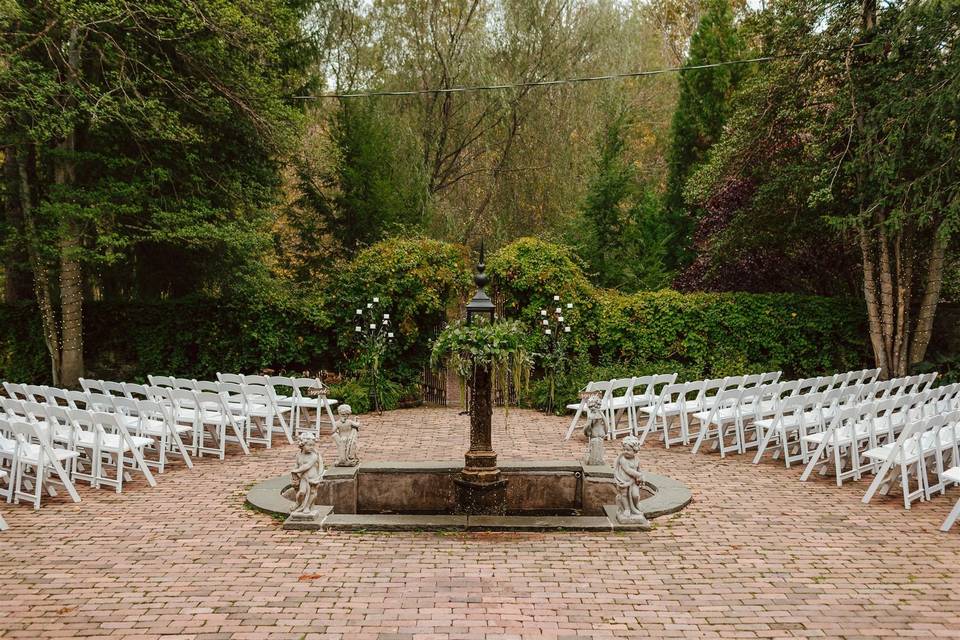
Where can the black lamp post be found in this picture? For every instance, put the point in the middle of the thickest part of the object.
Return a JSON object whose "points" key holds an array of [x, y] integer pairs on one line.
{"points": [[480, 489], [480, 306]]}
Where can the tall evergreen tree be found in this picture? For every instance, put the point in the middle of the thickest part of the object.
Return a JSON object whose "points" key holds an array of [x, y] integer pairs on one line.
{"points": [[626, 235], [142, 138], [702, 109]]}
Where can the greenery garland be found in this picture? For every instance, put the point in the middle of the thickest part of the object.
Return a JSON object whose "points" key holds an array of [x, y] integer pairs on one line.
{"points": [[499, 347]]}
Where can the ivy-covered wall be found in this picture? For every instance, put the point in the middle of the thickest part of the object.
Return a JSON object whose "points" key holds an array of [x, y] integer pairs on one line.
{"points": [[421, 283]]}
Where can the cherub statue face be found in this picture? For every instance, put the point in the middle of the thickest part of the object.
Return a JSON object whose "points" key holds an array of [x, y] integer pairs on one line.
{"points": [[308, 444], [344, 410], [593, 402], [631, 444]]}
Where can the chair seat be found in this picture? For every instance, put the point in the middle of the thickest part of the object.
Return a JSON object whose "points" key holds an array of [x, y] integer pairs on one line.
{"points": [[112, 442], [665, 409], [722, 415], [842, 436], [289, 402], [30, 453], [951, 475], [908, 455], [157, 428]]}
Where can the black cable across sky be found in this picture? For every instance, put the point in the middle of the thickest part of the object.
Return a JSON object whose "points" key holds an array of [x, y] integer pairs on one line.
{"points": [[548, 83]]}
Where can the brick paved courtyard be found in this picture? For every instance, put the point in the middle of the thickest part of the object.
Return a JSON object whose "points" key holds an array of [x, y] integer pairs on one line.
{"points": [[757, 554]]}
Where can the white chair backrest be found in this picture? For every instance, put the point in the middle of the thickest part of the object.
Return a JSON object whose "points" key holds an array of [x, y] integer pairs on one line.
{"points": [[622, 387], [870, 375], [35, 392], [34, 411], [183, 399], [57, 397], [114, 388], [235, 378], [135, 391], [284, 382], [126, 407], [161, 381], [302, 387], [15, 391], [13, 408], [750, 380], [185, 383], [99, 402], [207, 385], [256, 379], [91, 386]]}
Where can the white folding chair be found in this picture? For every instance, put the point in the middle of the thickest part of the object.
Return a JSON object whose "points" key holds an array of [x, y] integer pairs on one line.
{"points": [[213, 411], [15, 391], [849, 428], [151, 420], [903, 458], [308, 394], [278, 411], [32, 450], [599, 387], [235, 378], [714, 421], [161, 381], [115, 445], [620, 403], [672, 403], [91, 386]]}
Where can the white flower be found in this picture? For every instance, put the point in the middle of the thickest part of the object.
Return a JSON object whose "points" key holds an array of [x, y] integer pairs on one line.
{"points": [[569, 305], [566, 329], [556, 297], [545, 321], [369, 305], [558, 310], [385, 321], [390, 335], [386, 316], [376, 299], [373, 326], [543, 312], [548, 332], [358, 328], [560, 318], [359, 311]]}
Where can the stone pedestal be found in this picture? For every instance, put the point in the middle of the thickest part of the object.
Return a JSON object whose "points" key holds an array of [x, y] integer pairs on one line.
{"points": [[311, 522], [481, 498]]}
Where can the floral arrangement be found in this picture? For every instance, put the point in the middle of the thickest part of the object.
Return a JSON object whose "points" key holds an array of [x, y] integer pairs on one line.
{"points": [[499, 347]]}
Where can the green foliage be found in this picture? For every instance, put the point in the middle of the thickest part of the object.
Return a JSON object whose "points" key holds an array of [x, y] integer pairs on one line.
{"points": [[625, 237], [696, 335], [194, 337], [373, 190], [499, 347], [418, 282], [355, 391], [702, 109]]}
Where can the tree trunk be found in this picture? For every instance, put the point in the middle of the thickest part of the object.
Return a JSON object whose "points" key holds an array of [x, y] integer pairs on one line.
{"points": [[71, 288], [873, 306], [931, 295], [41, 278]]}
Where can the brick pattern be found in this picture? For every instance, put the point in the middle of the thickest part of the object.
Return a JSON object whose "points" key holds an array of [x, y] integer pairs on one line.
{"points": [[757, 555]]}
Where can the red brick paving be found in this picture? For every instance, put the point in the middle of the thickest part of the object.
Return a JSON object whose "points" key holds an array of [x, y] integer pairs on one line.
{"points": [[757, 555]]}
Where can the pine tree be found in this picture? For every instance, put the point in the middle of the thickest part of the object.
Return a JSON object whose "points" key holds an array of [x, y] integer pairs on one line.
{"points": [[702, 108]]}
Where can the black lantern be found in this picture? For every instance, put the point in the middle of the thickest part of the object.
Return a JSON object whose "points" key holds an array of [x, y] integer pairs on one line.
{"points": [[481, 305]]}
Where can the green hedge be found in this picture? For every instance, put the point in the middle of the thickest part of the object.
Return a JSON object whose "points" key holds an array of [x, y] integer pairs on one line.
{"points": [[421, 282], [697, 335]]}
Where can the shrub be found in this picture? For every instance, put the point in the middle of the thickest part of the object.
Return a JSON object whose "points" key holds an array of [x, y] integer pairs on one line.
{"points": [[418, 282]]}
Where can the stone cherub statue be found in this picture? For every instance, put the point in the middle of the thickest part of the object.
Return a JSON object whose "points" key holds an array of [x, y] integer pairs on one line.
{"points": [[628, 478], [346, 435], [306, 476], [596, 431]]}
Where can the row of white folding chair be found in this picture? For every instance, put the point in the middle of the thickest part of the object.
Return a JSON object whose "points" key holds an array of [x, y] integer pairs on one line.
{"points": [[253, 404], [854, 429], [619, 397], [100, 434], [25, 447], [920, 448], [731, 408], [200, 410], [305, 393]]}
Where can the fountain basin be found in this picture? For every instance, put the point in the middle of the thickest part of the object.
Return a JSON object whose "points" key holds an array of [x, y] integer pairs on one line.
{"points": [[540, 495]]}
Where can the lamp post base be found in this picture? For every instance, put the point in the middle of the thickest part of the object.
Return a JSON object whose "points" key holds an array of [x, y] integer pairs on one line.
{"points": [[481, 498]]}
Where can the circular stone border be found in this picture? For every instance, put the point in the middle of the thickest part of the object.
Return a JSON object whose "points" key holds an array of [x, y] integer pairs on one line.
{"points": [[669, 496]]}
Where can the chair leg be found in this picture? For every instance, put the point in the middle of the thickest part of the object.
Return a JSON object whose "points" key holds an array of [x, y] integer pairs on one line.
{"points": [[951, 518]]}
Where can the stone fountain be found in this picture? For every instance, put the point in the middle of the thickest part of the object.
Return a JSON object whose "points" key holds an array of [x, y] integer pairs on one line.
{"points": [[479, 493]]}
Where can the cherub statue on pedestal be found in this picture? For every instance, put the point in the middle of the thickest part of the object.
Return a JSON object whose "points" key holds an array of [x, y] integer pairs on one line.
{"points": [[347, 434], [596, 431], [628, 479], [306, 477]]}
